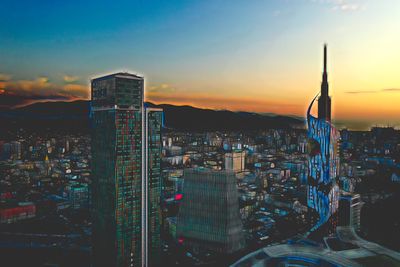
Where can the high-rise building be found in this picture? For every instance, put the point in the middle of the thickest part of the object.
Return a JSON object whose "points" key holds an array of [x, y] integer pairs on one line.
{"points": [[16, 149], [126, 149], [78, 195], [323, 161], [235, 161], [209, 217], [350, 210]]}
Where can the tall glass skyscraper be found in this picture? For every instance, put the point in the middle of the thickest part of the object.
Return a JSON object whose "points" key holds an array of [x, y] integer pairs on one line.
{"points": [[323, 161], [126, 149]]}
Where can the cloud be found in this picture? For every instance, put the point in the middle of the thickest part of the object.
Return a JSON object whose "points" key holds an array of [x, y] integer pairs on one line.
{"points": [[21, 92], [343, 5], [391, 90], [277, 13], [78, 90], [361, 92], [70, 78], [374, 91], [4, 77], [346, 7], [162, 88]]}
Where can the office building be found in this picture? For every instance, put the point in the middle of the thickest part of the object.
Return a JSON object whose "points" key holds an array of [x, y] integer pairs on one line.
{"points": [[235, 161], [209, 218], [16, 149], [126, 149], [78, 195], [350, 210]]}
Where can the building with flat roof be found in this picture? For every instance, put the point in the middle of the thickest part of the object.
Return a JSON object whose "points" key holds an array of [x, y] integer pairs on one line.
{"points": [[350, 210], [126, 149], [209, 217], [235, 161]]}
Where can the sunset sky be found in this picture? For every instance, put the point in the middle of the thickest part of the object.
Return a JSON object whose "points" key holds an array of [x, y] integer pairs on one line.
{"points": [[251, 55]]}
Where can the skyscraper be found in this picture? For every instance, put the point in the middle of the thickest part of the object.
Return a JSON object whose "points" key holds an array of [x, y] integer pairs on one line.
{"points": [[126, 148], [323, 161], [209, 216]]}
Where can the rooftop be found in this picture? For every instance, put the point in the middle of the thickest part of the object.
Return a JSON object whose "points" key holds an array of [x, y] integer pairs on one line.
{"points": [[119, 75]]}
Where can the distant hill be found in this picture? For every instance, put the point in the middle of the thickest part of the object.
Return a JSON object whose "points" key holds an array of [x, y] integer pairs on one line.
{"points": [[197, 119], [74, 116]]}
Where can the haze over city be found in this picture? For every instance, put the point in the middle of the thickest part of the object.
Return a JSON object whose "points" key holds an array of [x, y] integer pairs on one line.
{"points": [[264, 56]]}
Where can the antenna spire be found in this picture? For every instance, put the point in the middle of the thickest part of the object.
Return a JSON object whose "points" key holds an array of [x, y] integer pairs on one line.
{"points": [[325, 57], [324, 101]]}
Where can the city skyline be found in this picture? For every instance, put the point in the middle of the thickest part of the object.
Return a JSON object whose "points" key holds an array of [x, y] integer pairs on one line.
{"points": [[200, 133], [260, 57]]}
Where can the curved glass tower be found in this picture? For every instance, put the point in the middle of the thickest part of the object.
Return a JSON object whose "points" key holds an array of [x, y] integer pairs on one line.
{"points": [[323, 161]]}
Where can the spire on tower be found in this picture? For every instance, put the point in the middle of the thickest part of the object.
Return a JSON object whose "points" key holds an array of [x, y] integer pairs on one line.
{"points": [[325, 86], [324, 101], [325, 57]]}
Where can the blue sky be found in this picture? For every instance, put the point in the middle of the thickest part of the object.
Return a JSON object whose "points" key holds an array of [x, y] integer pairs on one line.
{"points": [[239, 54], [85, 37]]}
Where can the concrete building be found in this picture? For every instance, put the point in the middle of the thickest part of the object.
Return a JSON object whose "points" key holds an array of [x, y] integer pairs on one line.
{"points": [[235, 161], [209, 216], [13, 212], [78, 195], [350, 210]]}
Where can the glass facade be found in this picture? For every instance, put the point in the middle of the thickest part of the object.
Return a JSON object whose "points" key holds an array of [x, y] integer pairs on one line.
{"points": [[209, 216], [323, 166], [154, 119], [323, 160], [123, 160]]}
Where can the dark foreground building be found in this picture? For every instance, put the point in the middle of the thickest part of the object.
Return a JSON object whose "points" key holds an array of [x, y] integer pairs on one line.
{"points": [[126, 148], [209, 215], [350, 210]]}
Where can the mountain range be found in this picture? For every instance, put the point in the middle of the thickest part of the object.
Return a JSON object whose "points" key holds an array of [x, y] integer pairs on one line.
{"points": [[74, 116]]}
